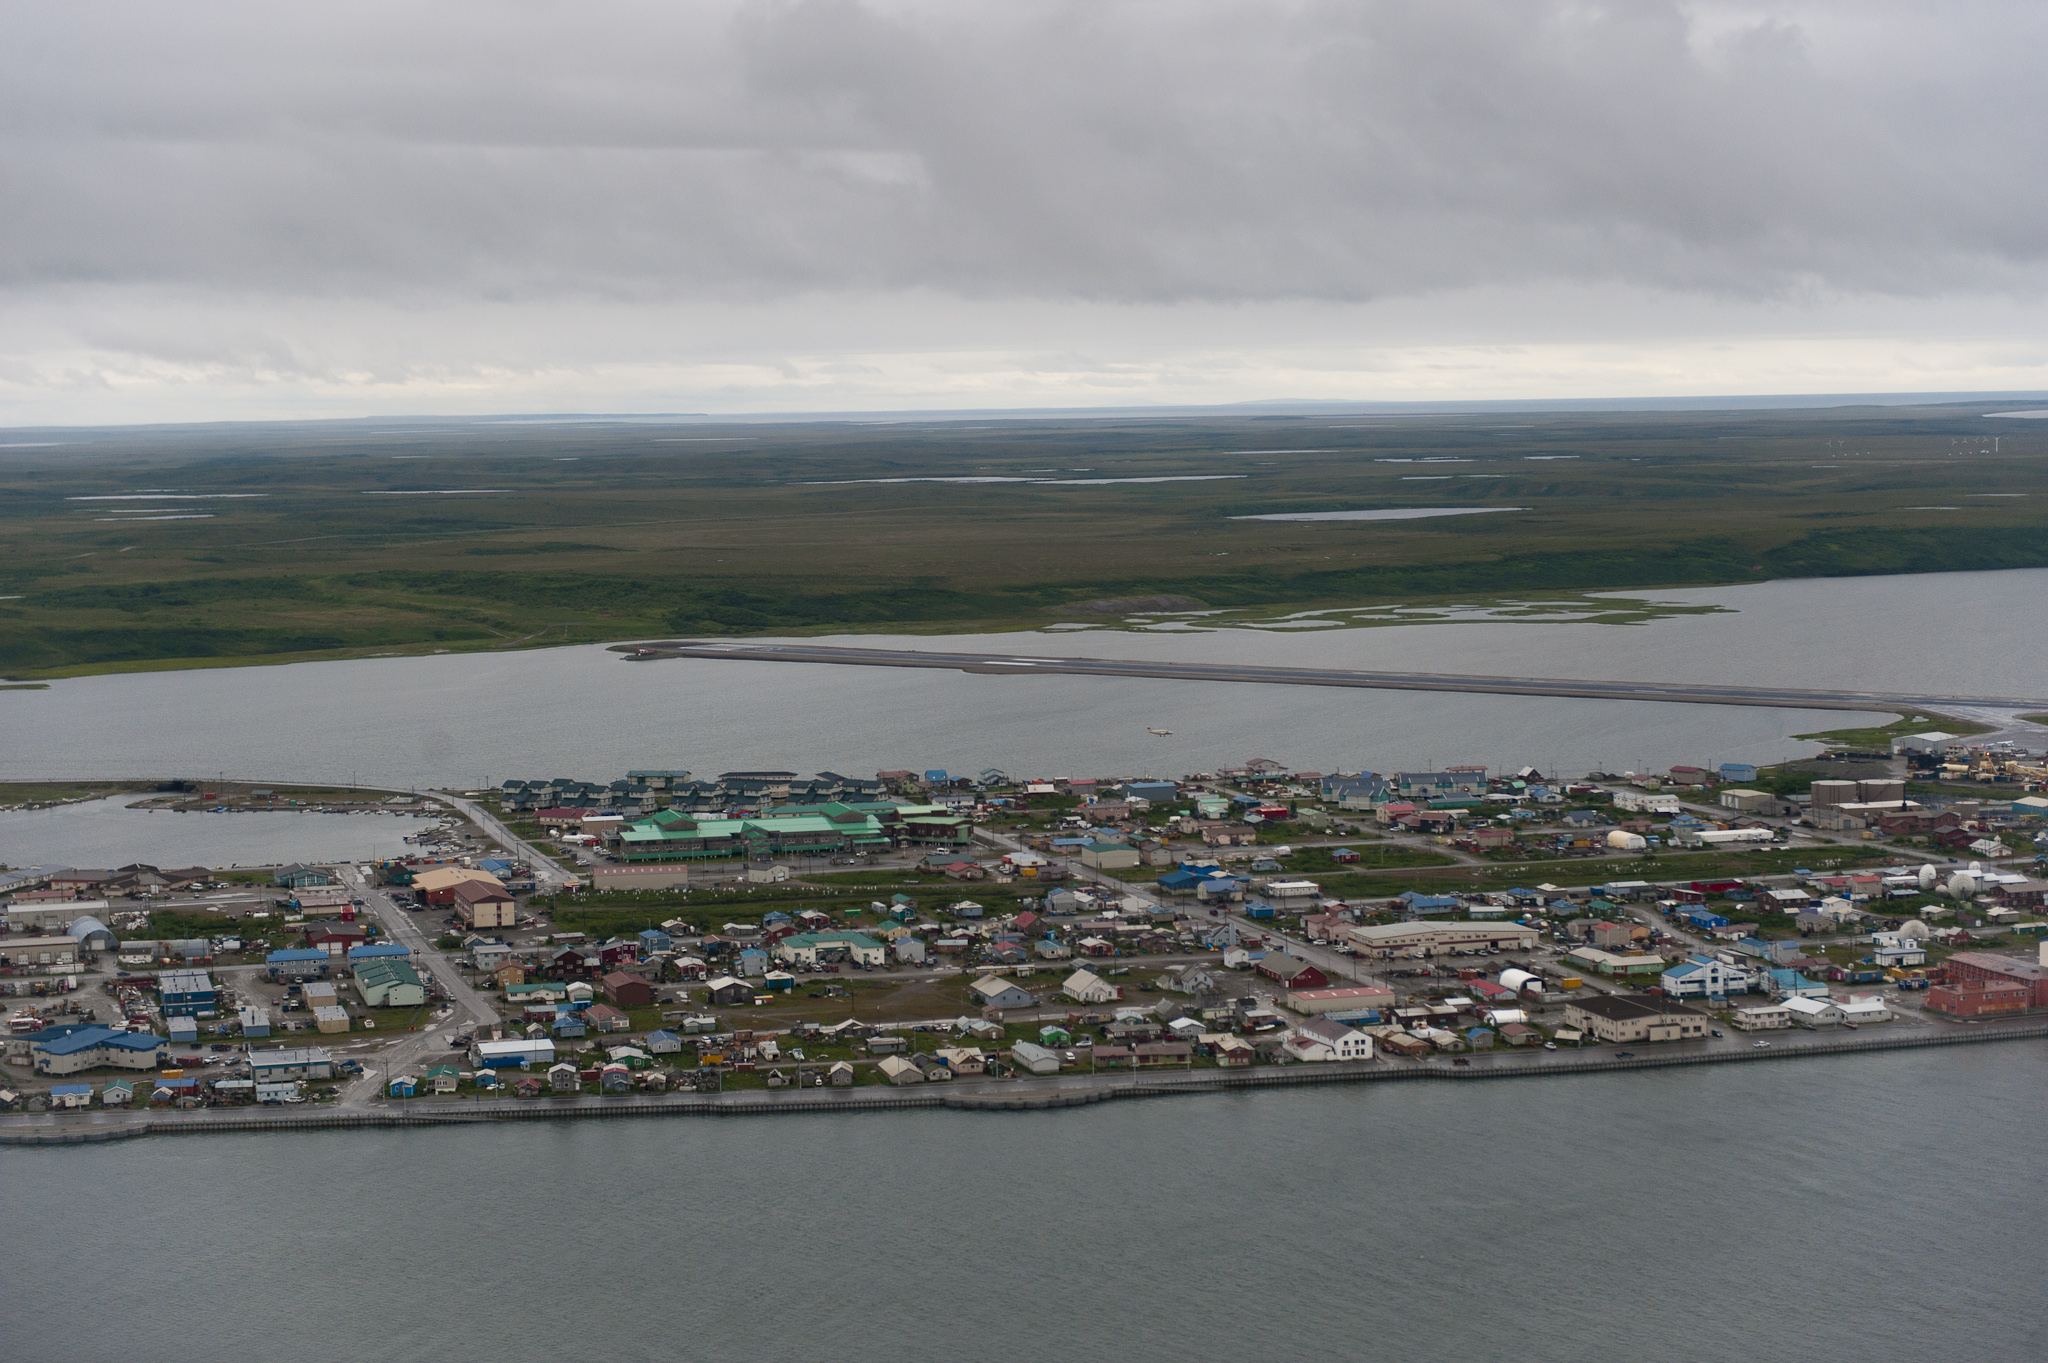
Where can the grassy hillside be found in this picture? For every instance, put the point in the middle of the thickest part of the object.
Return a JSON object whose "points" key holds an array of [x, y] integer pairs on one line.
{"points": [[195, 545]]}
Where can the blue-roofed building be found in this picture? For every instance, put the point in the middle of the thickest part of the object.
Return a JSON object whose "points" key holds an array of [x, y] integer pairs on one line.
{"points": [[186, 993], [77, 1049], [379, 951], [299, 963], [1706, 920], [1181, 881], [1158, 792], [569, 1023], [1737, 771], [1419, 905], [653, 940], [753, 962], [71, 1095], [1790, 984], [936, 777]]}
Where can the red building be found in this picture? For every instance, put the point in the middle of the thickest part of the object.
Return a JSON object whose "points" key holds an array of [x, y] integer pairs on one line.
{"points": [[628, 990], [1292, 971], [1984, 967], [1978, 998]]}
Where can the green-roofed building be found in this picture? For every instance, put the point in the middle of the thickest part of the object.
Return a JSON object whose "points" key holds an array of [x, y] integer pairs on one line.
{"points": [[822, 948], [388, 983]]}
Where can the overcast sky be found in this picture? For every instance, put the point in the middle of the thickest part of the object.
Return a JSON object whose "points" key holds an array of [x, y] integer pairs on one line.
{"points": [[242, 211]]}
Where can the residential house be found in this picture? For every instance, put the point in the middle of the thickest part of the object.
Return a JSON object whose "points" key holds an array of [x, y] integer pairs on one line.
{"points": [[1324, 1039]]}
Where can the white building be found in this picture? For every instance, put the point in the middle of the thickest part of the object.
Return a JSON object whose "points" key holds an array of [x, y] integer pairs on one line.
{"points": [[1763, 1017], [1085, 986], [1813, 1012], [1722, 837], [1425, 939], [1324, 1039], [1706, 977], [1645, 802]]}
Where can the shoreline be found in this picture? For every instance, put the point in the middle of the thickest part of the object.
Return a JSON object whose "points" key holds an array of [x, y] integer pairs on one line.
{"points": [[52, 1129]]}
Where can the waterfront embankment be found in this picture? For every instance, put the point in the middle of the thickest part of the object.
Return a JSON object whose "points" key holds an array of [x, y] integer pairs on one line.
{"points": [[1021, 1095]]}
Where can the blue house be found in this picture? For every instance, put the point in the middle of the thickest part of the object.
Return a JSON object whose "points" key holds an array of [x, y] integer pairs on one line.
{"points": [[300, 963], [753, 961], [404, 1086], [1182, 881], [569, 1024], [379, 951], [653, 940], [1737, 771], [1420, 905], [1158, 792]]}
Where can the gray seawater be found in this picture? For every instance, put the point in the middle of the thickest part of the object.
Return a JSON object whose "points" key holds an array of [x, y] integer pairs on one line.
{"points": [[1882, 1209], [95, 831]]}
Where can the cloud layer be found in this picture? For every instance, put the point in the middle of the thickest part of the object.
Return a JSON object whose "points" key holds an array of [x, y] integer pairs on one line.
{"points": [[375, 202]]}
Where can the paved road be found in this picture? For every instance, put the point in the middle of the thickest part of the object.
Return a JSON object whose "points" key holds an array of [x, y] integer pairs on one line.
{"points": [[411, 1053], [1678, 692], [546, 874]]}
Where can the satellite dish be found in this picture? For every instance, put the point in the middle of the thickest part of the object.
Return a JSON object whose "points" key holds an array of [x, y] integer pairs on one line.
{"points": [[1927, 877], [1913, 930]]}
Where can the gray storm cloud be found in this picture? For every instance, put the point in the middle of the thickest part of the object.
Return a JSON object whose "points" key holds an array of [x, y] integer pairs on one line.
{"points": [[220, 209], [1122, 152]]}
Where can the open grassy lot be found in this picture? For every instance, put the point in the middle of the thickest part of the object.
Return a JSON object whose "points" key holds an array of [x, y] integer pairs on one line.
{"points": [[185, 546], [1584, 871]]}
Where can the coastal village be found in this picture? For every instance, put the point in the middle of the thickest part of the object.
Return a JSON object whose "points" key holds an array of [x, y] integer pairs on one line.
{"points": [[553, 939]]}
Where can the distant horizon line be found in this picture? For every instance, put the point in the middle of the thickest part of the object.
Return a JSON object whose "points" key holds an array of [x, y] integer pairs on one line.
{"points": [[1261, 407]]}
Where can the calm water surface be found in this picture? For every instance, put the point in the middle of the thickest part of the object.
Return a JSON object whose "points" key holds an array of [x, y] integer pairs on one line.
{"points": [[110, 833], [1879, 1209], [458, 720]]}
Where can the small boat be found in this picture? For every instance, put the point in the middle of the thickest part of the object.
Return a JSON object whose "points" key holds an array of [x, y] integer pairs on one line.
{"points": [[1163, 733]]}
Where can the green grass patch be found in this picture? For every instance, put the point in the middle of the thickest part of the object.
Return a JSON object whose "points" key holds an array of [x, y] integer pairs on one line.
{"points": [[636, 539], [1880, 737]]}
